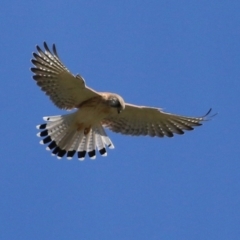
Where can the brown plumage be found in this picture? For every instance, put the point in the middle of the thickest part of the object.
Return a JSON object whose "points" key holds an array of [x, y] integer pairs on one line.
{"points": [[82, 131]]}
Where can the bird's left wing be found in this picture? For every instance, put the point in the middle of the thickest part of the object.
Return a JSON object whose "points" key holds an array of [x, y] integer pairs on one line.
{"points": [[64, 89], [136, 120]]}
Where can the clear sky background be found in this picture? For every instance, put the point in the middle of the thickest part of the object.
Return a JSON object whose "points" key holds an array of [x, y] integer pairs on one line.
{"points": [[183, 56]]}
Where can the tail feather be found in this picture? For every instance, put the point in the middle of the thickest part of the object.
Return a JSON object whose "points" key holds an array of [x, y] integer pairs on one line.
{"points": [[76, 140], [82, 148], [71, 141], [58, 129], [65, 139], [91, 145], [74, 146], [105, 138], [52, 118], [100, 143], [87, 146], [55, 128], [49, 125]]}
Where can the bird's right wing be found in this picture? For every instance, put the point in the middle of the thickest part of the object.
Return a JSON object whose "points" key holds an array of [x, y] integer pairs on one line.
{"points": [[64, 89], [137, 120]]}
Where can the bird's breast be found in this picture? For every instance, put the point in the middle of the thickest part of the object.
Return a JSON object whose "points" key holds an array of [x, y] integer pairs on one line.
{"points": [[93, 111]]}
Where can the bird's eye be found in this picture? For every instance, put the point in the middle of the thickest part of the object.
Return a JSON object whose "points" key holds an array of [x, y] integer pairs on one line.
{"points": [[115, 103]]}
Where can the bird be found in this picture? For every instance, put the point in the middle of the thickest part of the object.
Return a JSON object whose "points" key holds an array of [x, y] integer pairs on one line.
{"points": [[82, 132]]}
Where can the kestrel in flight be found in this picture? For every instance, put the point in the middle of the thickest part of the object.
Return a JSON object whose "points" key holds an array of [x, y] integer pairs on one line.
{"points": [[83, 131]]}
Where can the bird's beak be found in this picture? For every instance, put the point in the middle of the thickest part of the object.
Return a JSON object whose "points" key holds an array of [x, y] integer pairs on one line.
{"points": [[119, 110]]}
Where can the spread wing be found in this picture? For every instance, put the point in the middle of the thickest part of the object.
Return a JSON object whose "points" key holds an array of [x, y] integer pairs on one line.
{"points": [[64, 89], [136, 120]]}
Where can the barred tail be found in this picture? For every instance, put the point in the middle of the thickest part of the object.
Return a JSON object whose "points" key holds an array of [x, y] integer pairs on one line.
{"points": [[63, 138]]}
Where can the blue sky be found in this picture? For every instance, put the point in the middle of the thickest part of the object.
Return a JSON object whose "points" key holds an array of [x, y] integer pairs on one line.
{"points": [[182, 56]]}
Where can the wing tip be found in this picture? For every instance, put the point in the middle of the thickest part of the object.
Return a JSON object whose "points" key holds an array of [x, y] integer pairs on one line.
{"points": [[207, 116]]}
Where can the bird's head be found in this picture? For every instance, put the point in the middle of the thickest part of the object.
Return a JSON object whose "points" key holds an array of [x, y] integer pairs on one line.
{"points": [[116, 101]]}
